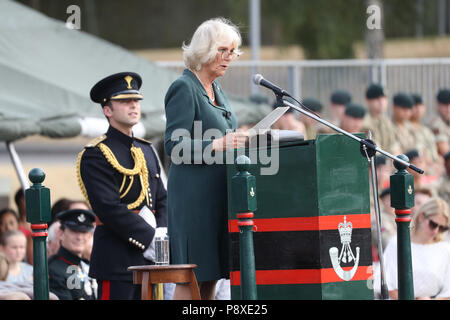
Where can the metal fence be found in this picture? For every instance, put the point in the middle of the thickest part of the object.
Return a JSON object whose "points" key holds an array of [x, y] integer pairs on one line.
{"points": [[319, 78]]}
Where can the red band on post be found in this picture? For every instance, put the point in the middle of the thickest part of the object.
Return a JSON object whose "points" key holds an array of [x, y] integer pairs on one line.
{"points": [[404, 211], [246, 215], [39, 226], [403, 219], [245, 223], [39, 234]]}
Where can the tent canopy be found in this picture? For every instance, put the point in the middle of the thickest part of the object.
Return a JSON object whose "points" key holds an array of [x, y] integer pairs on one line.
{"points": [[47, 72]]}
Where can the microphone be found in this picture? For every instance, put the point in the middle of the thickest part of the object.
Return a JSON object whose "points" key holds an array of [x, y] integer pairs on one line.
{"points": [[259, 80]]}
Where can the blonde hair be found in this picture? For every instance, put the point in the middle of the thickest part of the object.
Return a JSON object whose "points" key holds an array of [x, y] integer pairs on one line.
{"points": [[4, 267], [10, 233], [431, 207], [207, 39]]}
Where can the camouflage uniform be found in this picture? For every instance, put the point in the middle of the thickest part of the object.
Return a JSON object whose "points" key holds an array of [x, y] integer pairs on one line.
{"points": [[425, 142], [404, 136], [383, 132], [441, 129], [443, 187]]}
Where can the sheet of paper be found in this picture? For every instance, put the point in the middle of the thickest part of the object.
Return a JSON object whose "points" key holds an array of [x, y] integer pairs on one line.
{"points": [[262, 126]]}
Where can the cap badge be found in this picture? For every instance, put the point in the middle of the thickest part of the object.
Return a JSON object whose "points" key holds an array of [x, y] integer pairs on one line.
{"points": [[81, 218], [128, 80]]}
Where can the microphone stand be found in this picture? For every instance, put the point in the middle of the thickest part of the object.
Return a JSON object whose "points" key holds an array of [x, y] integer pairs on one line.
{"points": [[369, 144], [368, 149], [371, 159]]}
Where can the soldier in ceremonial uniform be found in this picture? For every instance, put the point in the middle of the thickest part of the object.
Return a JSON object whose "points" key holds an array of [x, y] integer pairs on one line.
{"points": [[68, 272], [401, 113], [119, 175], [441, 124], [383, 132]]}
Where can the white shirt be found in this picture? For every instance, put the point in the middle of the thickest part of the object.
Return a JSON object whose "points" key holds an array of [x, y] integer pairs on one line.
{"points": [[25, 275], [430, 264]]}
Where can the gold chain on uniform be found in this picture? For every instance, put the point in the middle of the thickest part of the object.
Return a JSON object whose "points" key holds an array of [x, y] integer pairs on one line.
{"points": [[140, 168]]}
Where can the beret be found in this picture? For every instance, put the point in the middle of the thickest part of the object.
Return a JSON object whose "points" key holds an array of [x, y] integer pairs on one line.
{"points": [[355, 110], [417, 98], [447, 155], [403, 100], [380, 160], [443, 96], [411, 154], [374, 91], [385, 192], [312, 104], [340, 97]]}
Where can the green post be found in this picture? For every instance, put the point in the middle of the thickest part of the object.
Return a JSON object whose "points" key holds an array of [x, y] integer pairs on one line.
{"points": [[38, 214], [402, 199], [244, 204]]}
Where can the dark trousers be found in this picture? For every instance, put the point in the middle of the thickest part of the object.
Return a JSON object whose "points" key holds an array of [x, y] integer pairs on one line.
{"points": [[118, 290]]}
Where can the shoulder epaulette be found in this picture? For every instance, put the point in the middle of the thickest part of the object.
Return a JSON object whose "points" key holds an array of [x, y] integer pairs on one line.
{"points": [[95, 142], [143, 140]]}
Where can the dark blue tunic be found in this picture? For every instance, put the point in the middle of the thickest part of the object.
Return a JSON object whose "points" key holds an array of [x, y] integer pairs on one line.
{"points": [[123, 236]]}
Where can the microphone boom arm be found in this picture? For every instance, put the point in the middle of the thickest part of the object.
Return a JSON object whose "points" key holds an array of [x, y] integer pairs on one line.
{"points": [[364, 142]]}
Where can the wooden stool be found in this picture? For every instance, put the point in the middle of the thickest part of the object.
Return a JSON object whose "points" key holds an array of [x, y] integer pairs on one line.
{"points": [[155, 274]]}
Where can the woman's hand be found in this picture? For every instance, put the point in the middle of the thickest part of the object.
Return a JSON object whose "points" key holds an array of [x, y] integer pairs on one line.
{"points": [[232, 140]]}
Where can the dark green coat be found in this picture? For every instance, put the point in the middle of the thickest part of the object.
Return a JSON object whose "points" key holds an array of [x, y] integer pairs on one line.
{"points": [[197, 193]]}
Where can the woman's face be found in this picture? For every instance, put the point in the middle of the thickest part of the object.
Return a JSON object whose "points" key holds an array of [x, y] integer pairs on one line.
{"points": [[429, 226], [8, 222], [219, 65], [15, 248]]}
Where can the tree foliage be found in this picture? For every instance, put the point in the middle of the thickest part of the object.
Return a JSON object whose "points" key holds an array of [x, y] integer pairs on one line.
{"points": [[326, 29]]}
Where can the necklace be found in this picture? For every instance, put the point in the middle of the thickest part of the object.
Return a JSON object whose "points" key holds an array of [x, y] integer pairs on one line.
{"points": [[212, 96]]}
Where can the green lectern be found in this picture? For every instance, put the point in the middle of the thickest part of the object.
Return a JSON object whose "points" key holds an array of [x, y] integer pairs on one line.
{"points": [[312, 236]]}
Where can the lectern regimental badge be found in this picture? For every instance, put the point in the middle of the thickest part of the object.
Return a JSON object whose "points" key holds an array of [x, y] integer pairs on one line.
{"points": [[346, 255]]}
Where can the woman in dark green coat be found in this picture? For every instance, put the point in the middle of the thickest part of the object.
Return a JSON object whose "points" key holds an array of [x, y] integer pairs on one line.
{"points": [[200, 127]]}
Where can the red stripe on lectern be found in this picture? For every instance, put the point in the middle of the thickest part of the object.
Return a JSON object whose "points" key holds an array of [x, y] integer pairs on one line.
{"points": [[301, 276], [305, 223]]}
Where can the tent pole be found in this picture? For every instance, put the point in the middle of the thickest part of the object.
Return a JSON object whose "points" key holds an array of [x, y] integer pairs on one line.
{"points": [[17, 165]]}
